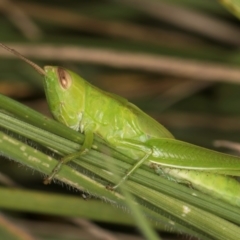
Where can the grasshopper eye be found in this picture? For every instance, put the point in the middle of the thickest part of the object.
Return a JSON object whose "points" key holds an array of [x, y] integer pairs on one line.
{"points": [[64, 78]]}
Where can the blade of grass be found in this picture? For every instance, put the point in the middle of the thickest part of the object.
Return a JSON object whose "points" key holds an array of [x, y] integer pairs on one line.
{"points": [[66, 147], [31, 157], [96, 156]]}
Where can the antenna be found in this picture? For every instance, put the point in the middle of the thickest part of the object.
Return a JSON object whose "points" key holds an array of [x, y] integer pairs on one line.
{"points": [[34, 65]]}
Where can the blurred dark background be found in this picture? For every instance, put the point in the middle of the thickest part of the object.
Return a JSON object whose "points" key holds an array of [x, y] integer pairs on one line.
{"points": [[184, 89]]}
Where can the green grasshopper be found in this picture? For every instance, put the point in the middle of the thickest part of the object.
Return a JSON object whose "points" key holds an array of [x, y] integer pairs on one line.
{"points": [[89, 110]]}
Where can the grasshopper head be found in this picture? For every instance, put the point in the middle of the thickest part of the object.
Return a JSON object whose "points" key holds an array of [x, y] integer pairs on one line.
{"points": [[65, 92]]}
